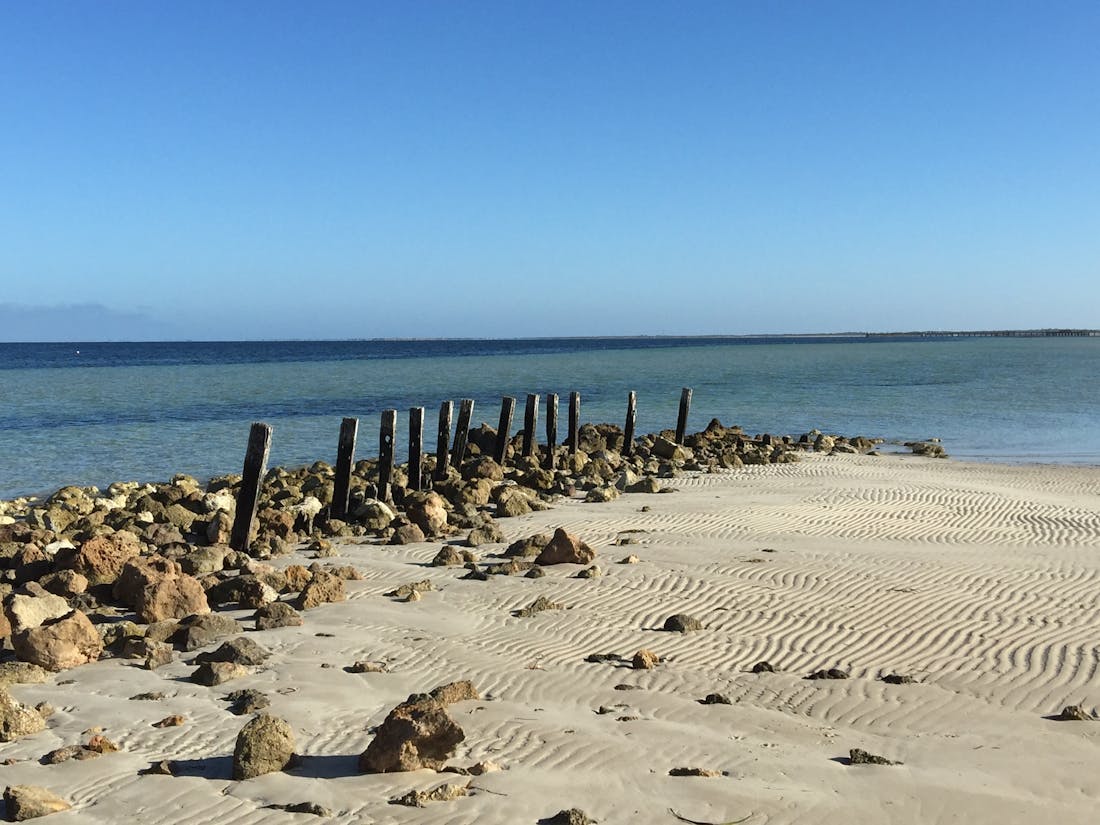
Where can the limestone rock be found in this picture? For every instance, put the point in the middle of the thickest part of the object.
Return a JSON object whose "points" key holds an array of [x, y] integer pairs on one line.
{"points": [[21, 673], [682, 623], [277, 614], [202, 629], [27, 611], [212, 674], [416, 734], [322, 587], [428, 512], [452, 692], [31, 801], [16, 719], [241, 651], [565, 549], [645, 660], [101, 558], [408, 534], [59, 644], [264, 745]]}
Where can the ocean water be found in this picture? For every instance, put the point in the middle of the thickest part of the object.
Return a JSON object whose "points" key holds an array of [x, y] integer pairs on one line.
{"points": [[95, 413]]}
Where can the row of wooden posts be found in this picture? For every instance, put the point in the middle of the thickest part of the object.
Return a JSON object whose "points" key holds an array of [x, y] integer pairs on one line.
{"points": [[259, 446]]}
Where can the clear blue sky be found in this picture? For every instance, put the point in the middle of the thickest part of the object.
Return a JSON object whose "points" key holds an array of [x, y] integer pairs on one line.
{"points": [[366, 169]]}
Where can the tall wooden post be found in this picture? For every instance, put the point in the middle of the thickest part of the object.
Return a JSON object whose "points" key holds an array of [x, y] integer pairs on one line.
{"points": [[530, 421], [551, 430], [574, 421], [416, 449], [345, 457], [255, 465], [682, 420], [631, 420], [385, 453], [443, 441], [504, 427], [462, 431]]}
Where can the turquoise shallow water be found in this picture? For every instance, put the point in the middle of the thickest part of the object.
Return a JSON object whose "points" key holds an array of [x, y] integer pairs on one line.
{"points": [[146, 411]]}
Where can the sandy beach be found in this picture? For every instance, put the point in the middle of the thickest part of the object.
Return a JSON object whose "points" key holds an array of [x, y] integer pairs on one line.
{"points": [[979, 581]]}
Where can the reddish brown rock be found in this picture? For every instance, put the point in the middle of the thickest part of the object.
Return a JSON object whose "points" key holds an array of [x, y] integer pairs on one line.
{"points": [[102, 558], [157, 589], [59, 644], [416, 734], [322, 587], [565, 549]]}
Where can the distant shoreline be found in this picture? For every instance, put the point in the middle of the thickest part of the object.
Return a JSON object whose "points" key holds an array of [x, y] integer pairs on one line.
{"points": [[1046, 332]]}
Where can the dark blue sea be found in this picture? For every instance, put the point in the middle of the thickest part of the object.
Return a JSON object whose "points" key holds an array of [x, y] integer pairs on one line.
{"points": [[93, 413]]}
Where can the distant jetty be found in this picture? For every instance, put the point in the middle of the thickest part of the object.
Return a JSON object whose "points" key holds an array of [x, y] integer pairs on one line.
{"points": [[990, 333]]}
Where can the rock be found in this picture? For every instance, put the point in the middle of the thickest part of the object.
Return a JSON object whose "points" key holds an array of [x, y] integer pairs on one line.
{"points": [[573, 816], [16, 719], [593, 572], [451, 556], [277, 614], [669, 450], [408, 591], [215, 673], [861, 757], [302, 808], [682, 623], [153, 654], [898, 679], [831, 673], [763, 667], [715, 699], [565, 549], [101, 744], [66, 583], [240, 651], [1074, 713], [200, 560], [60, 644], [930, 449], [21, 673], [162, 768], [601, 495], [158, 589], [514, 501], [25, 802], [530, 546], [645, 485], [537, 606], [101, 558], [321, 588], [244, 702], [152, 696], [415, 734], [173, 721], [645, 660], [408, 534], [367, 666], [373, 514], [600, 658], [487, 533], [264, 745], [27, 611], [204, 629], [428, 512], [440, 793], [631, 559], [694, 772], [452, 692]]}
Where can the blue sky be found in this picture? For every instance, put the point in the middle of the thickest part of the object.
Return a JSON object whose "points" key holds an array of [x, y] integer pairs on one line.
{"points": [[324, 169]]}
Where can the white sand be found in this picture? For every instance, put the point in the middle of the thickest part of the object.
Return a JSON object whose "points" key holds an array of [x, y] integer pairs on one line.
{"points": [[979, 580]]}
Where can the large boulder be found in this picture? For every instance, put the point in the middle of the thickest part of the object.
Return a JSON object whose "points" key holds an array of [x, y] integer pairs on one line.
{"points": [[416, 734], [59, 644], [25, 611], [16, 719], [565, 549], [322, 587], [157, 589], [427, 511], [101, 558], [264, 745], [31, 801]]}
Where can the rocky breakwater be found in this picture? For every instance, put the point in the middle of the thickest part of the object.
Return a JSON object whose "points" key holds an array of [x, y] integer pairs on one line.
{"points": [[133, 570]]}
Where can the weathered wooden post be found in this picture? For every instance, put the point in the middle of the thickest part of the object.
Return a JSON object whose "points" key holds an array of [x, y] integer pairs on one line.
{"points": [[345, 457], [574, 421], [443, 441], [551, 430], [255, 465], [682, 420], [385, 453], [462, 431], [504, 427], [416, 441], [530, 421], [631, 420]]}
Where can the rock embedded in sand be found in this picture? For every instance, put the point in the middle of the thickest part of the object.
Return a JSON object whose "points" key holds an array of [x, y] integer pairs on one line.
{"points": [[59, 644], [645, 660], [682, 623], [830, 673], [564, 548], [706, 772], [408, 534], [241, 651], [715, 699], [249, 700], [898, 679], [573, 816], [17, 719], [451, 556], [277, 614], [763, 667], [440, 793], [405, 591], [21, 673], [212, 674], [538, 606], [321, 588], [1074, 713], [460, 691], [264, 745], [25, 802], [173, 721], [856, 756], [416, 734], [203, 629]]}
